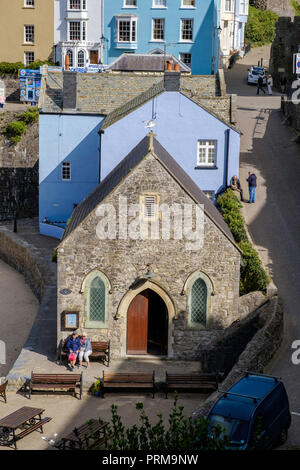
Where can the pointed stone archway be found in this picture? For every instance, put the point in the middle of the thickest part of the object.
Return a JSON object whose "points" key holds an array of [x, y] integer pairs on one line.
{"points": [[148, 291]]}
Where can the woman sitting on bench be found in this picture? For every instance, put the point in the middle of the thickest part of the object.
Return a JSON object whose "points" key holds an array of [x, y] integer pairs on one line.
{"points": [[85, 349]]}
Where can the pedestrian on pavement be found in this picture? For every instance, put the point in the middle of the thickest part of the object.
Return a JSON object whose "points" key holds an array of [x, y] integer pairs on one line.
{"points": [[236, 186], [73, 346], [270, 84], [252, 186], [85, 349], [260, 83]]}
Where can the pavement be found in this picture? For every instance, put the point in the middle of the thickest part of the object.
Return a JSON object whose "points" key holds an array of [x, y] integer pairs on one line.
{"points": [[268, 149]]}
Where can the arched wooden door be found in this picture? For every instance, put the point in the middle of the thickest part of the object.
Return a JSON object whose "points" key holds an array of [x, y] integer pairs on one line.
{"points": [[137, 324]]}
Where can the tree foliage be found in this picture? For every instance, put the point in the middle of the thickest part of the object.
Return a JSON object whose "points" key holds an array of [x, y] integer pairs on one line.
{"points": [[253, 276], [260, 28]]}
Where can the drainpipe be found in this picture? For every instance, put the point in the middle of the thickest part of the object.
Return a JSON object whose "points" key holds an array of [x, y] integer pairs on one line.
{"points": [[227, 156], [100, 142]]}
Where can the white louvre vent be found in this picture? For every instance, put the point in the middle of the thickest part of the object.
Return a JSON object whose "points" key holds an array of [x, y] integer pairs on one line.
{"points": [[149, 207]]}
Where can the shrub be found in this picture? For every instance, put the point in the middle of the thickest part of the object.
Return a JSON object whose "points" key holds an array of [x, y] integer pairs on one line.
{"points": [[54, 257], [253, 276], [30, 116], [260, 28], [182, 433], [296, 5], [14, 130], [12, 68]]}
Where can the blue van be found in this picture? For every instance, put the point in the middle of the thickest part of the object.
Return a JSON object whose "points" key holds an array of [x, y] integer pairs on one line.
{"points": [[254, 412]]}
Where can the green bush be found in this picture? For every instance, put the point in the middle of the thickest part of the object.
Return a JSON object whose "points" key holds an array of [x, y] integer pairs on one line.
{"points": [[13, 68], [260, 28], [182, 433], [253, 276], [31, 115], [296, 6], [14, 130]]}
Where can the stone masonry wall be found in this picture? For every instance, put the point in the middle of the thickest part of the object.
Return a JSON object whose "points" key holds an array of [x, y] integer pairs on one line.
{"points": [[281, 7], [12, 88], [19, 174], [258, 352], [123, 261]]}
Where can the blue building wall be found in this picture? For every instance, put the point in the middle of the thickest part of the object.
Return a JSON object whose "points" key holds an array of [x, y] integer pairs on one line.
{"points": [[66, 138], [205, 45], [180, 123]]}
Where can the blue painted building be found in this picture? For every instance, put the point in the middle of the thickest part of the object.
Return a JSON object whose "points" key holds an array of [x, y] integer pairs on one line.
{"points": [[205, 145], [187, 28], [88, 123]]}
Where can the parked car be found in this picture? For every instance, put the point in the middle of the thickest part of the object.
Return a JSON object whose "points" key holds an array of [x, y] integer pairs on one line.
{"points": [[254, 412], [253, 74]]}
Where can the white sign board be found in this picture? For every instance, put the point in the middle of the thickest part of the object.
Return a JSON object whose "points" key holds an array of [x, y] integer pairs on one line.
{"points": [[297, 63]]}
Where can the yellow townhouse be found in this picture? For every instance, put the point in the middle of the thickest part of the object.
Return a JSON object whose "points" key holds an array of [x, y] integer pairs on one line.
{"points": [[26, 30]]}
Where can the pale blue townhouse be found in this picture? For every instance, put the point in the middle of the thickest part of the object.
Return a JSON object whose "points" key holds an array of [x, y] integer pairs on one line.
{"points": [[188, 29], [89, 122]]}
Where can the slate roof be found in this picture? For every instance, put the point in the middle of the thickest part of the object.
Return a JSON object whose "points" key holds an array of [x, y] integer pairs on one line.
{"points": [[122, 170], [145, 63], [102, 93]]}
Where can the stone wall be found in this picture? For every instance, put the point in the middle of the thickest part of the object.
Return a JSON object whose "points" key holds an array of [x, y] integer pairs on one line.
{"points": [[123, 261], [291, 111], [12, 87], [284, 46], [281, 7], [17, 255], [258, 352], [19, 174]]}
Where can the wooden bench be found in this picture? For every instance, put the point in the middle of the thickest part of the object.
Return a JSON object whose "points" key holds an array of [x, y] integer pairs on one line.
{"points": [[203, 382], [127, 381], [101, 350], [55, 381], [38, 424], [86, 437], [3, 390]]}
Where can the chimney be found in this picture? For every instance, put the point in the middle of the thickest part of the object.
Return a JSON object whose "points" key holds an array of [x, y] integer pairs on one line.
{"points": [[172, 80], [69, 90]]}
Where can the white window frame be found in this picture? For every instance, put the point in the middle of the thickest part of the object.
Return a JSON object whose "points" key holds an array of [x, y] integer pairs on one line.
{"points": [[130, 20], [159, 6], [244, 7], [232, 3], [29, 4], [82, 5], [181, 54], [65, 165], [182, 21], [129, 6], [25, 57], [206, 144], [25, 33], [82, 30], [164, 29], [188, 6]]}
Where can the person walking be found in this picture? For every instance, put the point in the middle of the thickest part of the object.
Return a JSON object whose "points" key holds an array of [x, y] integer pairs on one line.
{"points": [[236, 186], [252, 183], [73, 346], [270, 84], [260, 82], [85, 349]]}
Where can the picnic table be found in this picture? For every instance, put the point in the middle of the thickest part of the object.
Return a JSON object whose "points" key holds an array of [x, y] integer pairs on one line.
{"points": [[26, 420], [87, 436]]}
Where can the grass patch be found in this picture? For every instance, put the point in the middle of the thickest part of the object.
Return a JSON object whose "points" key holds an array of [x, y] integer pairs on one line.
{"points": [[253, 276]]}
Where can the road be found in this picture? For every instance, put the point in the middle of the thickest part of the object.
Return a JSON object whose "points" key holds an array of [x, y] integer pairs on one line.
{"points": [[267, 148], [18, 309]]}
